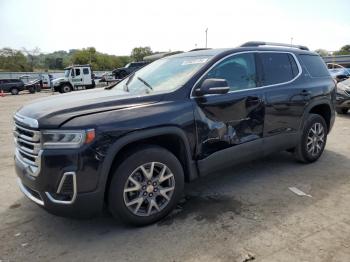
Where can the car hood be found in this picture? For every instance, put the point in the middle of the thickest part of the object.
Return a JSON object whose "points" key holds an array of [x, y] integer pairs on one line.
{"points": [[58, 79], [53, 111]]}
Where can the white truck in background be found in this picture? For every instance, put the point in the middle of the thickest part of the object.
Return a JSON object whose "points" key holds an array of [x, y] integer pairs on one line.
{"points": [[75, 77]]}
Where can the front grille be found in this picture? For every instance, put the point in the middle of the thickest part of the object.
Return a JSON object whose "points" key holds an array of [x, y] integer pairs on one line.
{"points": [[28, 146]]}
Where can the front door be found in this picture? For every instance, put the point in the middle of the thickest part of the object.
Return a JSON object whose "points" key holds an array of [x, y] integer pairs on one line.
{"points": [[77, 77], [230, 126]]}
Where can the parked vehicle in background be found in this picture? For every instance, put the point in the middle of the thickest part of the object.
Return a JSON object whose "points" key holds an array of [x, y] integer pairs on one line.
{"points": [[25, 78], [75, 77], [13, 86], [343, 97], [132, 146], [107, 77], [34, 86], [122, 72], [338, 72]]}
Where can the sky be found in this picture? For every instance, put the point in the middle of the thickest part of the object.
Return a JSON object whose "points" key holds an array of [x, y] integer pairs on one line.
{"points": [[116, 26]]}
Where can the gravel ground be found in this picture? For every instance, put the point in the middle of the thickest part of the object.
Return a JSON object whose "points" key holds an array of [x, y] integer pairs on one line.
{"points": [[246, 213]]}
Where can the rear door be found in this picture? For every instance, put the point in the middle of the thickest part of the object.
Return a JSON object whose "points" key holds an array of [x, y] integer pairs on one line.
{"points": [[286, 96], [230, 126], [86, 76]]}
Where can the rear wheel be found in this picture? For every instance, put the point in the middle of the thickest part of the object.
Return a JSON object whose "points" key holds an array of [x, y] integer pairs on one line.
{"points": [[342, 110], [313, 140], [65, 89], [31, 89], [146, 186], [14, 91]]}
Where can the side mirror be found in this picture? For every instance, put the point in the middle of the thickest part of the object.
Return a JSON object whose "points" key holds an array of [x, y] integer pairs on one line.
{"points": [[213, 86]]}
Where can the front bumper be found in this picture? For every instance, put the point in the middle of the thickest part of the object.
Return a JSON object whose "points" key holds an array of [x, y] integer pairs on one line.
{"points": [[67, 183], [343, 103]]}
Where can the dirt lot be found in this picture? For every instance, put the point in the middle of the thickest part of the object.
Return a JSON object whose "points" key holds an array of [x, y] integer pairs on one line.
{"points": [[243, 214]]}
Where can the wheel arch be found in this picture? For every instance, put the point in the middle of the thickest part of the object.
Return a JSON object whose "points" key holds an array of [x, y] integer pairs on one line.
{"points": [[323, 108], [171, 138]]}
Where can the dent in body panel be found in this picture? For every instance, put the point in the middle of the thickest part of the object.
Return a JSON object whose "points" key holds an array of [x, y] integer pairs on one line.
{"points": [[225, 121]]}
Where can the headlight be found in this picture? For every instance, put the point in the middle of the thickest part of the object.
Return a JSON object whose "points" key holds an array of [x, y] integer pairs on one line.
{"points": [[66, 138]]}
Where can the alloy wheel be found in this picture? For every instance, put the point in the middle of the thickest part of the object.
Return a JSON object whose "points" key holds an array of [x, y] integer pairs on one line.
{"points": [[315, 139], [149, 189]]}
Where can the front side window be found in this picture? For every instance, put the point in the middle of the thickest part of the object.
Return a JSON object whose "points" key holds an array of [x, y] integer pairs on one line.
{"points": [[238, 70], [163, 75], [278, 68], [77, 71]]}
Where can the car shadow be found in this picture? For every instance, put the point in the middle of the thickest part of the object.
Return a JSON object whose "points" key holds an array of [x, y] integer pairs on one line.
{"points": [[242, 193]]}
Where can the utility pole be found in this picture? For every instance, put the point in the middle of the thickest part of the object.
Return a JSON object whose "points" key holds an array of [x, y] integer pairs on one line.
{"points": [[206, 38]]}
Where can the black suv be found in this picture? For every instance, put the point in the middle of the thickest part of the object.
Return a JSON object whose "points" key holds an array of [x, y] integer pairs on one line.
{"points": [[13, 86], [122, 72], [132, 147]]}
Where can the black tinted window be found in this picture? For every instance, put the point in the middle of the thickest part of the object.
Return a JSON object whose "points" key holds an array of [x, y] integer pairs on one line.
{"points": [[85, 71], [238, 70], [77, 71], [314, 65], [278, 68]]}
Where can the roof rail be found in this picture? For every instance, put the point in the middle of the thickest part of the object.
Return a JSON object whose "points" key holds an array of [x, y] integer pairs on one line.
{"points": [[199, 49], [259, 43]]}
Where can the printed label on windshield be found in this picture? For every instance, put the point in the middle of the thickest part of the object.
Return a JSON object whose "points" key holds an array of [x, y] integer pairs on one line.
{"points": [[195, 61]]}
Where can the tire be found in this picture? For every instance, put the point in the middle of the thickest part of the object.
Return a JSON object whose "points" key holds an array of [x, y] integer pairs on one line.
{"points": [[342, 110], [31, 89], [313, 139], [14, 91], [65, 89], [150, 191]]}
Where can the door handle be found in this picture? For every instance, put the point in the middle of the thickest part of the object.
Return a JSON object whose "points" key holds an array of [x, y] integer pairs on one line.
{"points": [[305, 93], [254, 99]]}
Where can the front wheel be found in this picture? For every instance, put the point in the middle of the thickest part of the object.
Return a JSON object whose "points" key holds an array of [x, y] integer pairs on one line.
{"points": [[313, 139], [31, 90], [146, 186], [14, 91]]}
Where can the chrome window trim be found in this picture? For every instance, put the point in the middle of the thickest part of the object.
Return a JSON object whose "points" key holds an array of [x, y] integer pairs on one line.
{"points": [[255, 88]]}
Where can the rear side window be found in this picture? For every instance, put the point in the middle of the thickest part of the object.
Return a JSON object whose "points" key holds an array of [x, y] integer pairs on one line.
{"points": [[278, 68], [85, 71], [314, 65]]}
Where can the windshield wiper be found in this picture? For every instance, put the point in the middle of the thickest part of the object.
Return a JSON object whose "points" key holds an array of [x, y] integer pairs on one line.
{"points": [[145, 83]]}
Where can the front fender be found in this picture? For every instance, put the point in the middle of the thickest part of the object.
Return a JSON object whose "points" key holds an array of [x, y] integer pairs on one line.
{"points": [[135, 136]]}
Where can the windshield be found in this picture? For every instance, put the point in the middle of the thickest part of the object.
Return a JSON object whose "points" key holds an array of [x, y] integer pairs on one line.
{"points": [[66, 73], [163, 75]]}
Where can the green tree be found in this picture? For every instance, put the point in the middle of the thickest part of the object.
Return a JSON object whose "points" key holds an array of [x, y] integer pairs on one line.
{"points": [[138, 53], [322, 52], [345, 50], [32, 56], [13, 60]]}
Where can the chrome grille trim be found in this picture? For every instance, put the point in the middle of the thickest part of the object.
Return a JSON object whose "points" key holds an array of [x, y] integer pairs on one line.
{"points": [[27, 121], [28, 145]]}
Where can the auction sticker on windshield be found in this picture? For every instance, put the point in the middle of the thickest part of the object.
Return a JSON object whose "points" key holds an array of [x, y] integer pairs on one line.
{"points": [[195, 61]]}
